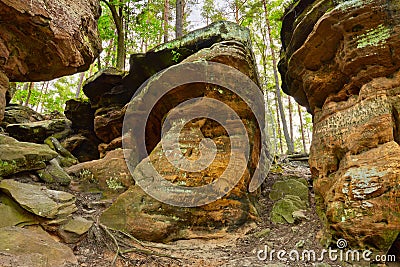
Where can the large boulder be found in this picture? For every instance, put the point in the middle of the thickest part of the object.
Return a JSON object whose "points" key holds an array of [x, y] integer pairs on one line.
{"points": [[33, 248], [15, 114], [108, 123], [41, 41], [38, 200], [113, 87], [170, 215], [109, 174], [83, 145], [20, 156], [37, 132], [341, 60], [80, 113]]}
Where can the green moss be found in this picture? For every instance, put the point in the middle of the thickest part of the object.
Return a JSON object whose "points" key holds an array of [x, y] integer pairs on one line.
{"points": [[7, 167], [373, 37]]}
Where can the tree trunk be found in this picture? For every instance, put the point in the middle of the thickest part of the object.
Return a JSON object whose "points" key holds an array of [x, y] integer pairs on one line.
{"points": [[110, 49], [78, 89], [45, 93], [165, 18], [291, 120], [277, 87], [302, 129], [278, 123], [40, 96], [237, 12], [28, 97], [118, 17], [179, 19]]}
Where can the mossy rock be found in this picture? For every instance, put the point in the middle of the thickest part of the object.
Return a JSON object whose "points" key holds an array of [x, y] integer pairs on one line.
{"points": [[54, 174], [283, 209], [295, 187], [20, 156]]}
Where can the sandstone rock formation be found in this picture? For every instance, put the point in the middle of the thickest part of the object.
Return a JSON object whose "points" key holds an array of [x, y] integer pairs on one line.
{"points": [[109, 174], [17, 156], [150, 219], [341, 59], [34, 248], [37, 132], [83, 142], [45, 40], [20, 114], [41, 41]]}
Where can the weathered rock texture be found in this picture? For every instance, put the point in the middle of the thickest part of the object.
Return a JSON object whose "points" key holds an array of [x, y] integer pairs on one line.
{"points": [[147, 218], [17, 156], [110, 90], [34, 248], [3, 91], [44, 40], [109, 174], [83, 143], [341, 60]]}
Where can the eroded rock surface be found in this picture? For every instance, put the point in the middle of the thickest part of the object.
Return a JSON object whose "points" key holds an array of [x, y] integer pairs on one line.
{"points": [[32, 247], [15, 114], [109, 174], [341, 60], [44, 40], [150, 219], [20, 156]]}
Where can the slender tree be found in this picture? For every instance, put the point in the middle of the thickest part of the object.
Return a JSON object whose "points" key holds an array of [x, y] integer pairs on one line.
{"points": [[179, 18], [277, 87], [117, 11], [165, 20], [43, 92], [28, 97], [78, 88], [290, 119], [302, 129]]}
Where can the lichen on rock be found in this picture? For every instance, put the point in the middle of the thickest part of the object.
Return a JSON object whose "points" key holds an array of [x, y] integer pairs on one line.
{"points": [[343, 65]]}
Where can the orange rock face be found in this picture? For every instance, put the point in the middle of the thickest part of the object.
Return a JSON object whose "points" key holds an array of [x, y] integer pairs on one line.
{"points": [[41, 41], [342, 62], [165, 208]]}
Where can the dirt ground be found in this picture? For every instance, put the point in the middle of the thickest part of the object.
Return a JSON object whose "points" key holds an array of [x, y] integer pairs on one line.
{"points": [[103, 247]]}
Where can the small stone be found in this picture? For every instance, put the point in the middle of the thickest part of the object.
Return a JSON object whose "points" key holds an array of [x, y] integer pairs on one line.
{"points": [[299, 215], [75, 229]]}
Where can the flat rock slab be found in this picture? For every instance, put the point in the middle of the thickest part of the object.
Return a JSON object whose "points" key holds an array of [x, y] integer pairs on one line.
{"points": [[39, 200], [12, 214], [75, 229], [32, 248], [38, 131], [20, 156]]}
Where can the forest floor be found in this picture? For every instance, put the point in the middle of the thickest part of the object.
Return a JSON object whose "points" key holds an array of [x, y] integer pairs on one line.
{"points": [[104, 247]]}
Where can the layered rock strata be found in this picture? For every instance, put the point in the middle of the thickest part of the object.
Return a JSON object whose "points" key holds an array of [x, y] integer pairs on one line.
{"points": [[341, 60], [143, 215]]}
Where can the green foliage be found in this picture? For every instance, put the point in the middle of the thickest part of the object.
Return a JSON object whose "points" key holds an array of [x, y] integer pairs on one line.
{"points": [[114, 184]]}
